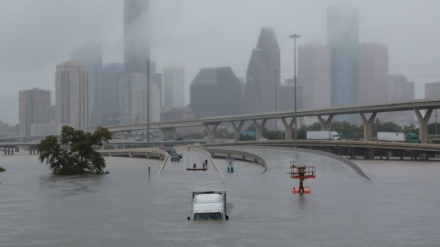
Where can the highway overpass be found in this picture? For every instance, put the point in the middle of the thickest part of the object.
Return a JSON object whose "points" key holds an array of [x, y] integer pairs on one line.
{"points": [[422, 109]]}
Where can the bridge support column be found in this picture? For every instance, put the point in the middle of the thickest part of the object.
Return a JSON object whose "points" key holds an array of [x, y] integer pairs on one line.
{"points": [[325, 123], [423, 124], [369, 154], [211, 132], [368, 125], [174, 133], [259, 128], [34, 150], [165, 131], [385, 153], [237, 129], [413, 155], [9, 150], [125, 134], [352, 153], [288, 127]]}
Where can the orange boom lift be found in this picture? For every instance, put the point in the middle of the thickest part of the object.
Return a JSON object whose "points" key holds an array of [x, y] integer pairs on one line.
{"points": [[301, 172]]}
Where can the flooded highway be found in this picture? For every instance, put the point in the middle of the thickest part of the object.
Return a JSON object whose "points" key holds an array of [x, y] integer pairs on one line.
{"points": [[397, 206]]}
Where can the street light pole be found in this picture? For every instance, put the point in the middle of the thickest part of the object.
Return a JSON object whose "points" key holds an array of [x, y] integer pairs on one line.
{"points": [[276, 130], [436, 132], [295, 36], [148, 103]]}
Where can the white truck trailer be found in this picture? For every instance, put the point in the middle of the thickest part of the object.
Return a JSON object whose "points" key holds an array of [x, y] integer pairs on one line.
{"points": [[209, 201], [323, 135], [398, 137]]}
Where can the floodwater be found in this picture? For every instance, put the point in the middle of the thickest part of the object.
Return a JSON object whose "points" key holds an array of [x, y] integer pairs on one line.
{"points": [[398, 206]]}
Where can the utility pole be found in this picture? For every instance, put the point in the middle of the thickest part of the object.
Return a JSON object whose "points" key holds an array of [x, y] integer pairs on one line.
{"points": [[276, 126], [295, 36], [148, 103]]}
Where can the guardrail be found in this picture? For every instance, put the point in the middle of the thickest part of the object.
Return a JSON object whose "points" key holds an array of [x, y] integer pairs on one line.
{"points": [[241, 155], [149, 153]]}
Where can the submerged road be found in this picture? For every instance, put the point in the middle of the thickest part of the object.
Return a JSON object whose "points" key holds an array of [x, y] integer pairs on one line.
{"points": [[397, 207]]}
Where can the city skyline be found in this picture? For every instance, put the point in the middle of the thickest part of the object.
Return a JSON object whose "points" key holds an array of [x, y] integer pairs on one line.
{"points": [[191, 27]]}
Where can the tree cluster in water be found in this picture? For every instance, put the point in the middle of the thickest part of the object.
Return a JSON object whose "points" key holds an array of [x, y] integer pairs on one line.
{"points": [[74, 153]]}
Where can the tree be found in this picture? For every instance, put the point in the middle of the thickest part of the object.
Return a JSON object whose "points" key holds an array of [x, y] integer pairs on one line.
{"points": [[74, 153]]}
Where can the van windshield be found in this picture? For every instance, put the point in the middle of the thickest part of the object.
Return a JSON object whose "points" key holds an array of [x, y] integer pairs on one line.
{"points": [[208, 216]]}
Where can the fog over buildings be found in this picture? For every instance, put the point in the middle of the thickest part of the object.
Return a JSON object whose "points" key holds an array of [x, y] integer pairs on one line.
{"points": [[39, 35]]}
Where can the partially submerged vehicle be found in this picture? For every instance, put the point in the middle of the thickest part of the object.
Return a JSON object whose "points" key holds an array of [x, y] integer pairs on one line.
{"points": [[175, 157], [209, 201]]}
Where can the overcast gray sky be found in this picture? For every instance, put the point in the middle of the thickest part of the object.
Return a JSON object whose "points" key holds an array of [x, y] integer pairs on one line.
{"points": [[36, 35]]}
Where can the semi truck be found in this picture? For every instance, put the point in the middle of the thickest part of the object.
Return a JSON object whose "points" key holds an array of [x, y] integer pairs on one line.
{"points": [[398, 137], [209, 201], [323, 135]]}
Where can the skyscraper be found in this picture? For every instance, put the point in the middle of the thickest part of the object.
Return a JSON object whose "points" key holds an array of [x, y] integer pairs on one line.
{"points": [[343, 42], [432, 91], [314, 75], [373, 73], [215, 92], [72, 95], [134, 100], [263, 75], [400, 90], [136, 36], [173, 87], [34, 108], [112, 73]]}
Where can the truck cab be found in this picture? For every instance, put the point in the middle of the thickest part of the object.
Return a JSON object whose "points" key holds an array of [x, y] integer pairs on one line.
{"points": [[209, 201]]}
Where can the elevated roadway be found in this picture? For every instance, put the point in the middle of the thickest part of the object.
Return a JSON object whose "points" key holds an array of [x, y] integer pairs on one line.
{"points": [[352, 149], [422, 109]]}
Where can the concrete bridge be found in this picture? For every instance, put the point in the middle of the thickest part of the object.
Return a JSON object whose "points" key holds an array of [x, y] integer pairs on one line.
{"points": [[422, 109]]}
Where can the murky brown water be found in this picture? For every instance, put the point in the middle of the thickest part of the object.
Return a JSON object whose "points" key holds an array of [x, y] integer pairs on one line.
{"points": [[398, 207]]}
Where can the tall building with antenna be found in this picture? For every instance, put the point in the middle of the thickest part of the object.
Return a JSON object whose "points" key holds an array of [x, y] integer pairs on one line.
{"points": [[138, 101]]}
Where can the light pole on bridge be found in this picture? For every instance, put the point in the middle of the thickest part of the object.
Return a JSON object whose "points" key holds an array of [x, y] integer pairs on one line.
{"points": [[295, 36]]}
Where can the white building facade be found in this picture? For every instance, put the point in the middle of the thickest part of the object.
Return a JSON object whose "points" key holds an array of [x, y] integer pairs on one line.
{"points": [[134, 101], [173, 87], [72, 95]]}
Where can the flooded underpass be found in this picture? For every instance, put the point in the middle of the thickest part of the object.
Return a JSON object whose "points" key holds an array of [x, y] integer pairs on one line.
{"points": [[397, 206]]}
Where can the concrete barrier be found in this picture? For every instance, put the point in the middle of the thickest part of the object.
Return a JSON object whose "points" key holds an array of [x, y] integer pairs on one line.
{"points": [[240, 155], [212, 162], [149, 153]]}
